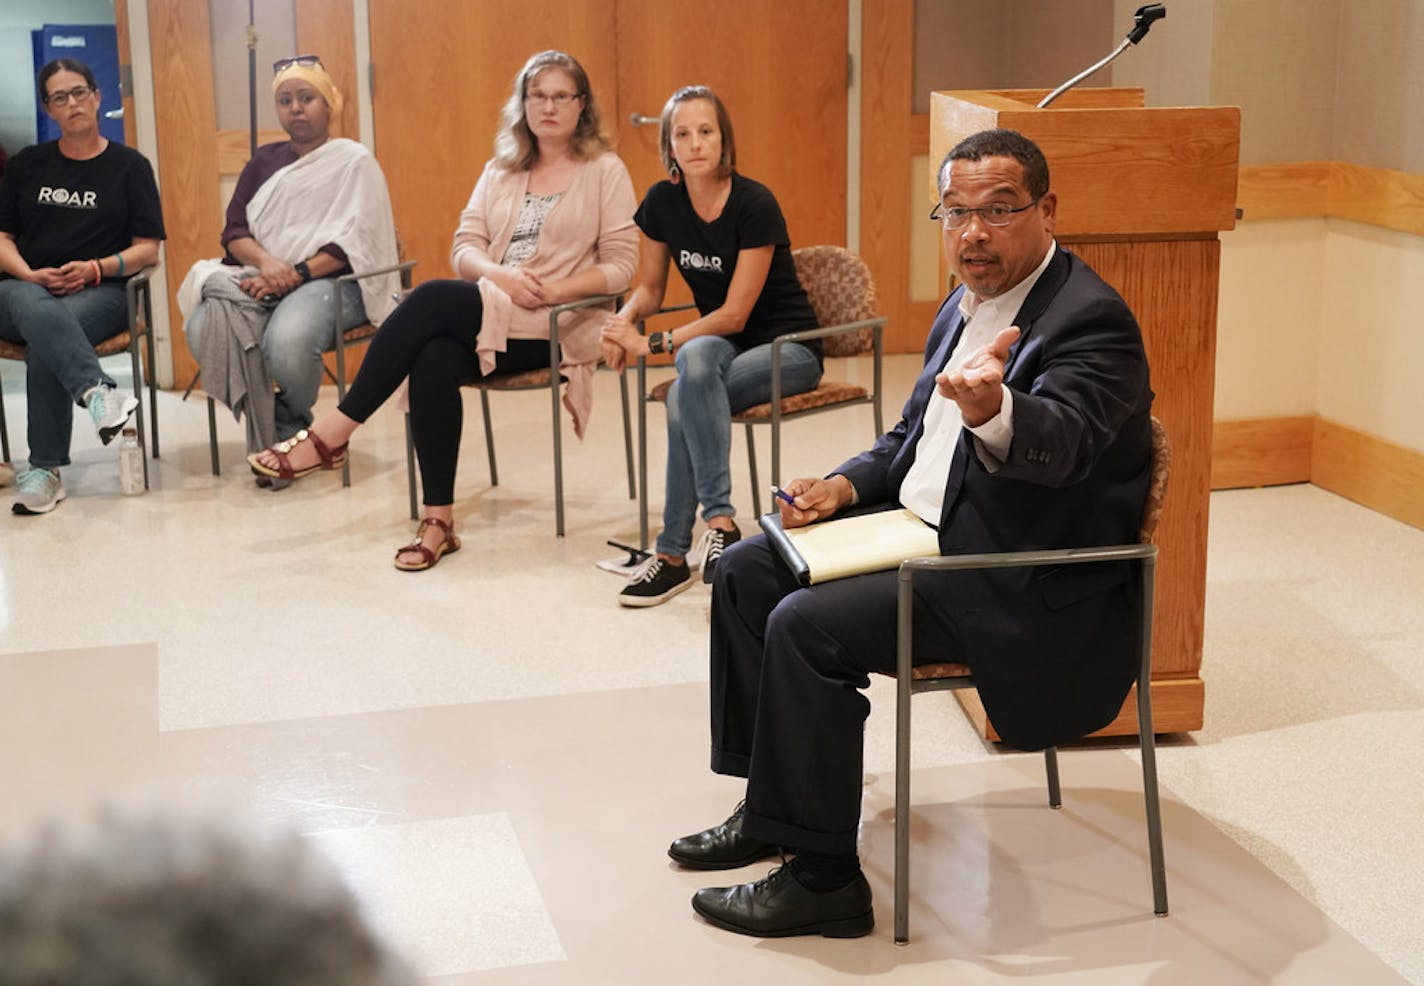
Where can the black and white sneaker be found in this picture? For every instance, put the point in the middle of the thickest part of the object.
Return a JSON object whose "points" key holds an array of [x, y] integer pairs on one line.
{"points": [[714, 542], [657, 583]]}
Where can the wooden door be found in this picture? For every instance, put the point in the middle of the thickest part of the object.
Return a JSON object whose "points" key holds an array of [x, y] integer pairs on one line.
{"points": [[780, 68], [122, 98], [440, 77]]}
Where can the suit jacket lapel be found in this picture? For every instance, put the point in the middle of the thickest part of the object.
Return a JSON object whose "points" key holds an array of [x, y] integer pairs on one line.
{"points": [[1044, 291], [933, 366]]}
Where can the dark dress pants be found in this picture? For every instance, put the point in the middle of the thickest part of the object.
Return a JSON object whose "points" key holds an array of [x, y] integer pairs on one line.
{"points": [[788, 665]]}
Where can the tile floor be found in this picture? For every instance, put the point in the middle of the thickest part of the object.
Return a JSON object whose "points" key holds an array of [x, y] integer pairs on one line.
{"points": [[496, 754]]}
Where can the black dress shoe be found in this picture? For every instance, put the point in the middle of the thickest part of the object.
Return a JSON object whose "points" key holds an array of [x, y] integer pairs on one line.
{"points": [[778, 906], [722, 847]]}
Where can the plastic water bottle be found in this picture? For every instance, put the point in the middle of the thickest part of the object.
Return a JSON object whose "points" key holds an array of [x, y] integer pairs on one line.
{"points": [[130, 463]]}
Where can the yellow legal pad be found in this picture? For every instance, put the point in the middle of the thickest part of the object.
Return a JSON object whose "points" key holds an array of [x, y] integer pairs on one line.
{"points": [[845, 546]]}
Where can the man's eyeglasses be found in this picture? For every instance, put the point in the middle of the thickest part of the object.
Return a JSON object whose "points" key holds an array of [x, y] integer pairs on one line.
{"points": [[994, 214], [306, 61], [61, 97], [559, 99]]}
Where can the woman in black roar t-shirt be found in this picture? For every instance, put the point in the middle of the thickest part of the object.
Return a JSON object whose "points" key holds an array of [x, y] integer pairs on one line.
{"points": [[729, 241], [77, 215]]}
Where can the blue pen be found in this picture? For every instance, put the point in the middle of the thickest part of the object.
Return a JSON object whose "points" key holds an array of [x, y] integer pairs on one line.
{"points": [[782, 495]]}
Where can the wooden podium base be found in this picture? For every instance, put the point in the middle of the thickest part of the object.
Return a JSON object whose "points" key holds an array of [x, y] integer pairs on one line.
{"points": [[1143, 196], [1176, 708]]}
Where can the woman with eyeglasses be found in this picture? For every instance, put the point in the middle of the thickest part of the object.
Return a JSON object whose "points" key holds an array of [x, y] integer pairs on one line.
{"points": [[78, 216], [727, 236], [550, 221], [305, 211]]}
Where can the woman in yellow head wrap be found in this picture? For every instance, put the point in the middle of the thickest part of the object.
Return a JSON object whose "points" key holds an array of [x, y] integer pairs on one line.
{"points": [[305, 210]]}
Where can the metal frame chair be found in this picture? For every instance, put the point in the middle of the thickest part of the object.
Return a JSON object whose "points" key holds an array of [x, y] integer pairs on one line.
{"points": [[138, 293], [849, 327], [936, 677], [542, 378], [352, 336]]}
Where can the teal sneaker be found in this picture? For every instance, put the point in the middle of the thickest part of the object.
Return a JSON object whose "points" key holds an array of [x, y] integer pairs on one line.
{"points": [[110, 411], [37, 491]]}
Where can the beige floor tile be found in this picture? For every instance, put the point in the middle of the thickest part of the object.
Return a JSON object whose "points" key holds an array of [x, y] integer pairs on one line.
{"points": [[499, 755]]}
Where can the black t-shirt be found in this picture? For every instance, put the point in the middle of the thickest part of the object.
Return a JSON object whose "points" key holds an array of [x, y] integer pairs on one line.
{"points": [[706, 255], [60, 210]]}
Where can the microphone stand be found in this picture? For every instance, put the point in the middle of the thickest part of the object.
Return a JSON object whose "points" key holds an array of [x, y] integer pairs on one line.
{"points": [[1142, 23], [252, 78]]}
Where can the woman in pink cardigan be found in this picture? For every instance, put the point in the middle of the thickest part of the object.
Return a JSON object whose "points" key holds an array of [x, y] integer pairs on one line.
{"points": [[550, 221]]}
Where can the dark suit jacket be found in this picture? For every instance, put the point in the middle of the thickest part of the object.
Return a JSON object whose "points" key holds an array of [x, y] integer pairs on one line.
{"points": [[1054, 650]]}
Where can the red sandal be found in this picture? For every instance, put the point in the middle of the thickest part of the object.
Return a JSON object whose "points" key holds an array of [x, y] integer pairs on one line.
{"points": [[449, 544], [328, 458]]}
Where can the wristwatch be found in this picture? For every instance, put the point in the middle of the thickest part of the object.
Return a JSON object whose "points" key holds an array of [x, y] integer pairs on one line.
{"points": [[303, 271]]}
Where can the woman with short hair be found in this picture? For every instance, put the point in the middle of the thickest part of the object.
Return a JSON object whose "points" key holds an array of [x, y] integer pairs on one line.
{"points": [[78, 216]]}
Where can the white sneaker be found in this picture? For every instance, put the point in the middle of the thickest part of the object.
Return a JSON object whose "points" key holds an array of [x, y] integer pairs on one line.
{"points": [[110, 411], [37, 491]]}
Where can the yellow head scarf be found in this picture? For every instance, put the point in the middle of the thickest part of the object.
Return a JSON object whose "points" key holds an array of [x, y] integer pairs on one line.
{"points": [[320, 81]]}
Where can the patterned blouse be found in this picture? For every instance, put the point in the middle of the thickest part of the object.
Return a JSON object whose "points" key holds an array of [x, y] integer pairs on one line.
{"points": [[526, 231]]}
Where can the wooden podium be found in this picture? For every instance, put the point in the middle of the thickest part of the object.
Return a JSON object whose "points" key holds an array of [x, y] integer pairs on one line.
{"points": [[1142, 196]]}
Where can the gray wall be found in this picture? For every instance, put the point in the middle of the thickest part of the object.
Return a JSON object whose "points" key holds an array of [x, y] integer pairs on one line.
{"points": [[1379, 97], [1013, 44], [1173, 63], [1277, 60], [17, 69]]}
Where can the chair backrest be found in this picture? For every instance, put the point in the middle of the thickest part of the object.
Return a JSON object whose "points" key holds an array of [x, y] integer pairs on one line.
{"points": [[841, 290], [1157, 486]]}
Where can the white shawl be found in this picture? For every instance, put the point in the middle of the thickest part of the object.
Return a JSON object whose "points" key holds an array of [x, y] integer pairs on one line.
{"points": [[336, 194]]}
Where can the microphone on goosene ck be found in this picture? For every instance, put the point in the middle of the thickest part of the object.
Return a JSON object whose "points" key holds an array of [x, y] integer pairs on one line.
{"points": [[1141, 23]]}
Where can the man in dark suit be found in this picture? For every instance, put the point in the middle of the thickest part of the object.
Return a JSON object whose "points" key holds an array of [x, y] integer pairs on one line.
{"points": [[1029, 428]]}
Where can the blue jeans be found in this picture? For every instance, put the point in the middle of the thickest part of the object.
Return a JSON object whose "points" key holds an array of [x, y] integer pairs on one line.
{"points": [[60, 335], [298, 331], [714, 381]]}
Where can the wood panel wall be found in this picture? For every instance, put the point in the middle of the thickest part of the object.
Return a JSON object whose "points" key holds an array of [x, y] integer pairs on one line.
{"points": [[1336, 189], [1261, 452], [1369, 470], [121, 29], [788, 105], [887, 65], [438, 86], [327, 28], [180, 38]]}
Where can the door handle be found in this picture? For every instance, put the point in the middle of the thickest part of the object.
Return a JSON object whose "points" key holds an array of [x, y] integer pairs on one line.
{"points": [[639, 120], [117, 114]]}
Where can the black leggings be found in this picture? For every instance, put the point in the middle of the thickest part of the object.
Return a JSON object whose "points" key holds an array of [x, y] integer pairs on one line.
{"points": [[430, 337]]}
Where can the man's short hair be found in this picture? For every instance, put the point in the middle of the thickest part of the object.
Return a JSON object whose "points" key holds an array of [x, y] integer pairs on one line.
{"points": [[183, 904], [1001, 143]]}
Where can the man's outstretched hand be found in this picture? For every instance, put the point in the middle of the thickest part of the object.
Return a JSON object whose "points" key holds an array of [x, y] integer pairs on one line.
{"points": [[975, 386]]}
